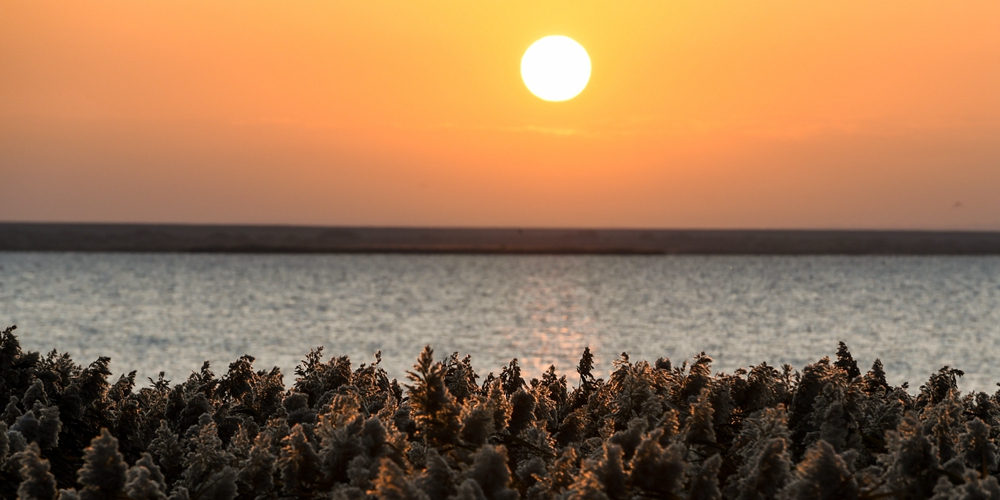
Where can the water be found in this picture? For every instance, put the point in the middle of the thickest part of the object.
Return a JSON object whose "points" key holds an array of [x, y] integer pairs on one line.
{"points": [[169, 312]]}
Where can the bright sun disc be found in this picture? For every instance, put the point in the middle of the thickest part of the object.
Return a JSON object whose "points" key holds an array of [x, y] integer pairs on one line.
{"points": [[555, 68]]}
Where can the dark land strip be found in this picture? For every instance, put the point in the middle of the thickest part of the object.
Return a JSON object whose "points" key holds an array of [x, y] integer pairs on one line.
{"points": [[70, 237]]}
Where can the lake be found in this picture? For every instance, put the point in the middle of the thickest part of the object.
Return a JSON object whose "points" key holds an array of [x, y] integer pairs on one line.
{"points": [[170, 312]]}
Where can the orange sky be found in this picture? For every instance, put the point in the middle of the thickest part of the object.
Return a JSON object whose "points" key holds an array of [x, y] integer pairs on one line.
{"points": [[727, 113]]}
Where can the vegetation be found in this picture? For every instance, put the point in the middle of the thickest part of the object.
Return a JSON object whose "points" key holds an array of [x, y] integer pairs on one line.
{"points": [[654, 431]]}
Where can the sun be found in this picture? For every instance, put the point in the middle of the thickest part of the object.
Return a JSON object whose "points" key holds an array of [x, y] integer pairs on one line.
{"points": [[555, 68]]}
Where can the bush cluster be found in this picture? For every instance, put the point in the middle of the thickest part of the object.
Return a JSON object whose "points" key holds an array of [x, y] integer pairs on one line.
{"points": [[655, 431]]}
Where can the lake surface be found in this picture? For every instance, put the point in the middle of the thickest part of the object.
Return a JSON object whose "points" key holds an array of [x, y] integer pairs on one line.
{"points": [[170, 312]]}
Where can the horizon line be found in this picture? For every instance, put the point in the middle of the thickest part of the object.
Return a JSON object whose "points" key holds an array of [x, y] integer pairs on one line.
{"points": [[260, 238]]}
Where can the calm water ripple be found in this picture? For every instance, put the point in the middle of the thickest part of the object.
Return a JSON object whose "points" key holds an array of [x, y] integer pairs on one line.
{"points": [[169, 312]]}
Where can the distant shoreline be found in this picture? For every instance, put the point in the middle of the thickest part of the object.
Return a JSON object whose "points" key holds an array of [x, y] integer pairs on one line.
{"points": [[73, 237]]}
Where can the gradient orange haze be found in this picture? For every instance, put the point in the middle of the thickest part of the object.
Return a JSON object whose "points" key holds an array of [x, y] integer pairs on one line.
{"points": [[727, 113]]}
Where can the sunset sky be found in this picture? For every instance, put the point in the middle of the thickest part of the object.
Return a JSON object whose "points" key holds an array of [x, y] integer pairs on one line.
{"points": [[711, 114]]}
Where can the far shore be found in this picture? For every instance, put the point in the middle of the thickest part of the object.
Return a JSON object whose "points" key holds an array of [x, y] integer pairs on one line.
{"points": [[81, 237]]}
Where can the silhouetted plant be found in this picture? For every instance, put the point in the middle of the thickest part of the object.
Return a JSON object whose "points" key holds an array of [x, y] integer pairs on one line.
{"points": [[822, 474], [649, 431], [103, 474], [36, 481], [434, 409]]}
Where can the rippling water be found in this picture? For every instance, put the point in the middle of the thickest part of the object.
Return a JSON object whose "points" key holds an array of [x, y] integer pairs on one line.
{"points": [[169, 312]]}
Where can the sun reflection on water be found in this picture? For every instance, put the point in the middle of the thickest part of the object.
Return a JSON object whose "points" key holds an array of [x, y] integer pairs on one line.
{"points": [[552, 325]]}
